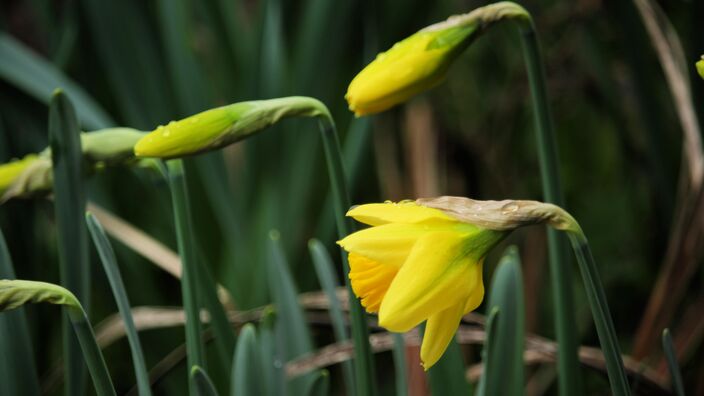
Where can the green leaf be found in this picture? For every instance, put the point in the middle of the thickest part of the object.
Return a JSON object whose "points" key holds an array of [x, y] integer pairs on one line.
{"points": [[273, 376], [324, 268], [204, 386], [490, 341], [69, 207], [447, 376], [18, 375], [107, 257], [672, 364], [291, 327], [246, 364], [504, 370], [38, 78], [320, 385]]}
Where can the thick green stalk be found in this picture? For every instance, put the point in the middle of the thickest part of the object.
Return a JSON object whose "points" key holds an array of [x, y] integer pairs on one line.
{"points": [[569, 377], [602, 317], [363, 363], [91, 353], [182, 219]]}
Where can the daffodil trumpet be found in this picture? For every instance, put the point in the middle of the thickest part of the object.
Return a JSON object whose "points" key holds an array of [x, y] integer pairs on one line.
{"points": [[16, 293], [421, 261]]}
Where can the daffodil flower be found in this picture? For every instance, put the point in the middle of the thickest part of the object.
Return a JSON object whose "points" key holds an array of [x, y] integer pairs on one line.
{"points": [[422, 260], [421, 61], [700, 67]]}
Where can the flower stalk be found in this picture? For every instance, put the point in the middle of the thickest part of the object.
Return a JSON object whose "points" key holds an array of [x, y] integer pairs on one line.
{"points": [[16, 293]]}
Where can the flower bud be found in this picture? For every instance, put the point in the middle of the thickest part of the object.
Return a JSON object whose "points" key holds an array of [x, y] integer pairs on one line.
{"points": [[700, 67], [421, 61], [217, 128]]}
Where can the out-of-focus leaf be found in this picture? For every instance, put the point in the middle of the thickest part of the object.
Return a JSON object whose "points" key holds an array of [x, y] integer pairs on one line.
{"points": [[69, 208], [672, 364], [447, 376], [245, 379], [320, 385], [273, 376], [490, 342], [291, 326], [505, 366], [324, 268], [39, 78], [204, 386]]}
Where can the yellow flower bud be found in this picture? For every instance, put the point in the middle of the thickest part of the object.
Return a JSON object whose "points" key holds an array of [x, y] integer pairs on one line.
{"points": [[700, 67], [421, 61], [216, 128], [422, 260]]}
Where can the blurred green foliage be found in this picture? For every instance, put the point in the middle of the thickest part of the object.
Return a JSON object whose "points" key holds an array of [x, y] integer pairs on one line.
{"points": [[144, 63]]}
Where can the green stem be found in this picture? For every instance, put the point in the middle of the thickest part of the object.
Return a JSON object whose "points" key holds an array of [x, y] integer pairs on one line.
{"points": [[182, 219], [363, 363], [569, 377], [91, 352], [602, 317]]}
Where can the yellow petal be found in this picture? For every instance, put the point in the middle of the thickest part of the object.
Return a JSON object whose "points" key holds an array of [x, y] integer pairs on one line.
{"points": [[370, 280], [477, 294], [436, 276], [407, 212], [388, 243], [439, 330]]}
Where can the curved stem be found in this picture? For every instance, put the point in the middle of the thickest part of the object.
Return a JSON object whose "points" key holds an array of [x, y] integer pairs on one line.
{"points": [[363, 363], [602, 317], [569, 377], [91, 352]]}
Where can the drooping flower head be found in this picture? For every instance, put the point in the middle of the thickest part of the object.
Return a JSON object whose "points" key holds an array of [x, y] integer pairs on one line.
{"points": [[421, 61], [219, 127], [422, 260]]}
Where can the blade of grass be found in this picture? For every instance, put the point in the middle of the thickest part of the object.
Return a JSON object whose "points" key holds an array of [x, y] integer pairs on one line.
{"points": [[204, 386], [324, 269], [69, 206], [187, 251], [504, 370], [245, 365], [490, 341], [672, 364], [291, 327], [107, 257], [18, 375], [38, 78]]}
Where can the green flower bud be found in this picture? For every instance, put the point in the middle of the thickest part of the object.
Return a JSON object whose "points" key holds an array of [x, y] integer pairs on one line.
{"points": [[217, 128]]}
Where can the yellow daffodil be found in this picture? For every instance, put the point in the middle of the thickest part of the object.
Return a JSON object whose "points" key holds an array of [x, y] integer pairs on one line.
{"points": [[421, 61], [422, 260], [219, 127], [10, 171], [415, 264], [700, 67]]}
